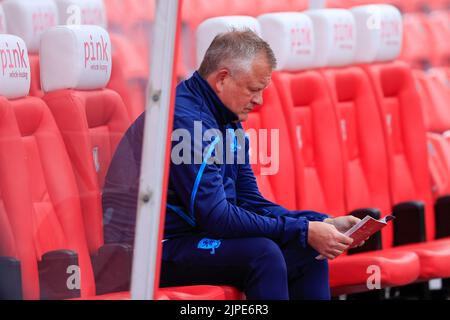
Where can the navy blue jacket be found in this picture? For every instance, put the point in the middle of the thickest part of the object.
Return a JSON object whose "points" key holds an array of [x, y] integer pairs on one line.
{"points": [[216, 200]]}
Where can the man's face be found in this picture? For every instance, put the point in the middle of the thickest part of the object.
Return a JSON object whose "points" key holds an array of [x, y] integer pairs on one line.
{"points": [[242, 91]]}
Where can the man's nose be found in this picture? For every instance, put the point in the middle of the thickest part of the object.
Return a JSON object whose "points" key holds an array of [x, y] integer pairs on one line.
{"points": [[258, 99]]}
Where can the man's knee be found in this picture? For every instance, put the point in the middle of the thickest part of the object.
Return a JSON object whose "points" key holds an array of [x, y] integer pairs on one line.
{"points": [[268, 255]]}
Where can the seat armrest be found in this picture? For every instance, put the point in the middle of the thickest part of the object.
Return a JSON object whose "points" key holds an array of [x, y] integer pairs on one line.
{"points": [[409, 225], [59, 275], [442, 217], [112, 268], [10, 279]]}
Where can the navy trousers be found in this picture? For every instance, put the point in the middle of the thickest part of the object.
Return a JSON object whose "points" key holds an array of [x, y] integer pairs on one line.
{"points": [[261, 268]]}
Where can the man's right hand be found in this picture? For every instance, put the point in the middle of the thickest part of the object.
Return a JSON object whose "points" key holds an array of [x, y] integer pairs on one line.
{"points": [[327, 240]]}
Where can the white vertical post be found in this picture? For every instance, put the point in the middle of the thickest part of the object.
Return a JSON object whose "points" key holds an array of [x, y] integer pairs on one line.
{"points": [[156, 133]]}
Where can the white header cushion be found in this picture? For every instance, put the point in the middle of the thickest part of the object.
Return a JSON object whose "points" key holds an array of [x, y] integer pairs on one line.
{"points": [[2, 20], [78, 12], [335, 37], [291, 37], [379, 33], [75, 57], [28, 19], [15, 67], [210, 28]]}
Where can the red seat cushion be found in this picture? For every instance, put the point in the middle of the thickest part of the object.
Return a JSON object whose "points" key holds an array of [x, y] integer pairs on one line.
{"points": [[201, 292], [349, 274], [434, 258]]}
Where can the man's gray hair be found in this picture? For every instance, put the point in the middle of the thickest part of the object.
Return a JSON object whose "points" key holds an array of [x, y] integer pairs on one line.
{"points": [[235, 50]]}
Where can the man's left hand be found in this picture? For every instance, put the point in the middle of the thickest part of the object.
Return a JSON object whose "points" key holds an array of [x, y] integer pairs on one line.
{"points": [[344, 223]]}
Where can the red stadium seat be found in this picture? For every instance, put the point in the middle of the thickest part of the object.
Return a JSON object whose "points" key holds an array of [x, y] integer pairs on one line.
{"points": [[434, 96], [114, 14], [404, 131], [417, 41], [439, 28], [16, 230], [405, 138], [439, 164], [57, 211], [364, 151], [91, 119], [304, 98], [129, 75], [49, 198]]}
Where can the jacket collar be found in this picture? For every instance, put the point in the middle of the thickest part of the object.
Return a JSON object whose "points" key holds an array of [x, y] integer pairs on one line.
{"points": [[222, 114]]}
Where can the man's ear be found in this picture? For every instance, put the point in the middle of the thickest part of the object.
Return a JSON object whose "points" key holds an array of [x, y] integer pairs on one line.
{"points": [[222, 76]]}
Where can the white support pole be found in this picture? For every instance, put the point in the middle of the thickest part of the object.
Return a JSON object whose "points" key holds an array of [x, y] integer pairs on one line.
{"points": [[154, 151]]}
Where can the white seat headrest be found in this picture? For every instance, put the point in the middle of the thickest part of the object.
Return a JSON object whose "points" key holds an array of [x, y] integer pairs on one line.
{"points": [[379, 30], [335, 37], [15, 67], [75, 57], [28, 19], [210, 28], [291, 37], [75, 12], [2, 21]]}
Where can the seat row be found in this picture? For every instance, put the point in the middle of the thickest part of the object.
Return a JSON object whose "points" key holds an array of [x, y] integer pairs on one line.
{"points": [[352, 138]]}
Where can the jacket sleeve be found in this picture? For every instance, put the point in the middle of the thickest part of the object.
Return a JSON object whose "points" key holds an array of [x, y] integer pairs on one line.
{"points": [[250, 197], [200, 188]]}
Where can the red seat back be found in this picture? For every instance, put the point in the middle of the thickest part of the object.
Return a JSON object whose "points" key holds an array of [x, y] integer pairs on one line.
{"points": [[363, 146], [92, 122], [57, 219], [417, 41], [16, 229], [404, 132], [269, 140], [314, 134]]}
